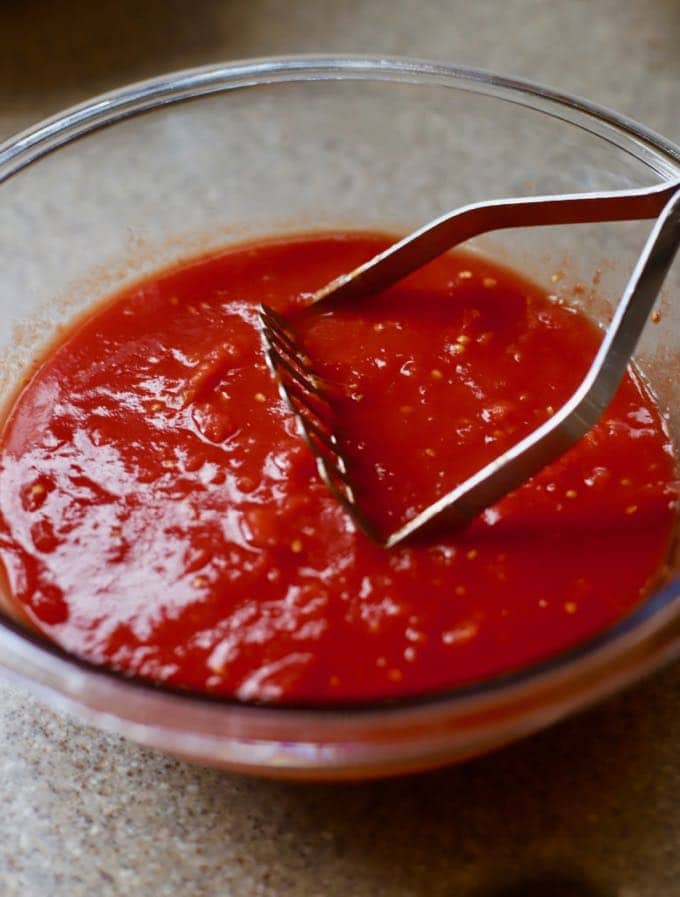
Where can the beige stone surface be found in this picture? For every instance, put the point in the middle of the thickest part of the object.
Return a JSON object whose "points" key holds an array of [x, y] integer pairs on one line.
{"points": [[590, 808]]}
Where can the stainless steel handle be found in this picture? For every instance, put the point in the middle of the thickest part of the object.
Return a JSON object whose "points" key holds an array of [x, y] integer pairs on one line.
{"points": [[585, 407], [430, 241]]}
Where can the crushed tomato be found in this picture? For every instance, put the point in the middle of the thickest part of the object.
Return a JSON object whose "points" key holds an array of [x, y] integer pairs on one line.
{"points": [[159, 513]]}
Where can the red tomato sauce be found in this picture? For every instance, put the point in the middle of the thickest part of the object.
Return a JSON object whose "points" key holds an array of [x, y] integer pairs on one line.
{"points": [[159, 513]]}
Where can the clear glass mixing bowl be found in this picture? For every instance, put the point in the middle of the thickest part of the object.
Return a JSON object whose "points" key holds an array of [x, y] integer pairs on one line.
{"points": [[95, 197]]}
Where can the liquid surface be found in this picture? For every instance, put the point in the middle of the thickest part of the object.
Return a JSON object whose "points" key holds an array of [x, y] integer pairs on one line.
{"points": [[160, 514]]}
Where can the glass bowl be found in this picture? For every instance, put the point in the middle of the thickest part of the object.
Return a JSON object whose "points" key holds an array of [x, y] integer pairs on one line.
{"points": [[95, 197]]}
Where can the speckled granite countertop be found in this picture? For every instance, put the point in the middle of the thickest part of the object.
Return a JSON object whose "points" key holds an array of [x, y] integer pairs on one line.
{"points": [[590, 808]]}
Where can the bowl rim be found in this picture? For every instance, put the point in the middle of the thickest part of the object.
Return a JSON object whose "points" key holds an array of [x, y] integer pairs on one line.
{"points": [[47, 135], [78, 686]]}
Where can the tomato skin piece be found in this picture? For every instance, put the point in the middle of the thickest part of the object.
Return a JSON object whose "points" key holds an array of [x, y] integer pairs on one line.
{"points": [[159, 514]]}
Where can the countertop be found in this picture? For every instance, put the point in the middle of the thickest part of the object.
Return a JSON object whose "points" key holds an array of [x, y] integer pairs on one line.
{"points": [[590, 808]]}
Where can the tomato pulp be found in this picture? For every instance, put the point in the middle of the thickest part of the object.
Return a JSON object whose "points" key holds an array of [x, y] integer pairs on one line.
{"points": [[159, 513]]}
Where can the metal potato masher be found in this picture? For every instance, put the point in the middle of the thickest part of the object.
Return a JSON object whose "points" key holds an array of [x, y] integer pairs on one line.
{"points": [[306, 395]]}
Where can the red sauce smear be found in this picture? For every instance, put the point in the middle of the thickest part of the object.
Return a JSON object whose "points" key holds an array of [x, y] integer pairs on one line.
{"points": [[159, 513]]}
